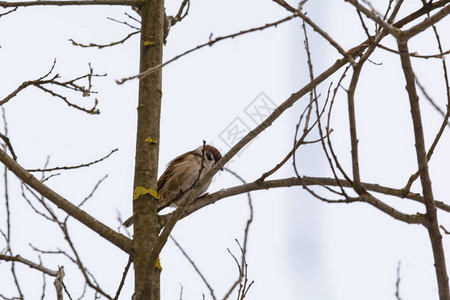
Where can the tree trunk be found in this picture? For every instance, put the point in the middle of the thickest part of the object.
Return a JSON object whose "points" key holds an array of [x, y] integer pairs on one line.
{"points": [[147, 148]]}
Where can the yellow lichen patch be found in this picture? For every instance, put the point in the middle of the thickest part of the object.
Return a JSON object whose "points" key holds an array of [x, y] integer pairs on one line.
{"points": [[153, 193], [148, 43], [140, 190], [158, 265], [150, 140]]}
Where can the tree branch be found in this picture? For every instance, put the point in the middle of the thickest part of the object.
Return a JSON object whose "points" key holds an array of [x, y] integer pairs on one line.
{"points": [[422, 160], [72, 84], [99, 46], [211, 291], [74, 167], [428, 22], [104, 231], [29, 263], [211, 42], [68, 2], [327, 37], [391, 29], [308, 181]]}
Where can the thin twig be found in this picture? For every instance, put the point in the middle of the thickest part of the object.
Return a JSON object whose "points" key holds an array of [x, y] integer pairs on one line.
{"points": [[246, 232], [211, 291], [72, 84], [70, 2], [432, 225], [8, 12], [346, 54], [29, 263], [371, 15], [429, 98], [126, 23], [415, 54], [182, 13], [117, 239], [397, 283], [74, 167], [93, 191], [209, 43], [444, 229], [285, 5], [124, 276], [101, 46]]}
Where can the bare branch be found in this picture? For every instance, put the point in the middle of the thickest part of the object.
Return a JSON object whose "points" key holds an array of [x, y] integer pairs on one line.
{"points": [[285, 5], [397, 283], [73, 167], [126, 23], [76, 259], [209, 43], [415, 54], [59, 283], [72, 84], [116, 238], [243, 272], [392, 30], [326, 36], [246, 231], [211, 291], [124, 275], [69, 2], [428, 22], [92, 192], [44, 281], [297, 144], [309, 181], [363, 24], [8, 144], [372, 8], [180, 15], [445, 115], [99, 46], [444, 229], [353, 134], [330, 155], [432, 224], [8, 12], [89, 278], [29, 263]]}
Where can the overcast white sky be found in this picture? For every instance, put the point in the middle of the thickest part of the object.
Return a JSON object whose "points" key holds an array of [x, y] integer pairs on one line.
{"points": [[299, 248]]}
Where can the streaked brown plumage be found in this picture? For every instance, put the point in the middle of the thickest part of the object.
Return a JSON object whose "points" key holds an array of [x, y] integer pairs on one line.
{"points": [[181, 174]]}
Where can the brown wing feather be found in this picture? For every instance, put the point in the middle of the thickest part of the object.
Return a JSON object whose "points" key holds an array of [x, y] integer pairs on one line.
{"points": [[179, 176], [169, 170]]}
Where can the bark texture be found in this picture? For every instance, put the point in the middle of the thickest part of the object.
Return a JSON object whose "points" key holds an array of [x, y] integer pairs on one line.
{"points": [[147, 148]]}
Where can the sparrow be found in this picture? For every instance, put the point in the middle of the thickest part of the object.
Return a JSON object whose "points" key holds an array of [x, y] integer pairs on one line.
{"points": [[181, 174]]}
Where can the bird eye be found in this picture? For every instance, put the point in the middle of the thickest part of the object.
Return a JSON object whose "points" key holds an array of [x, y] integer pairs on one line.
{"points": [[209, 156]]}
